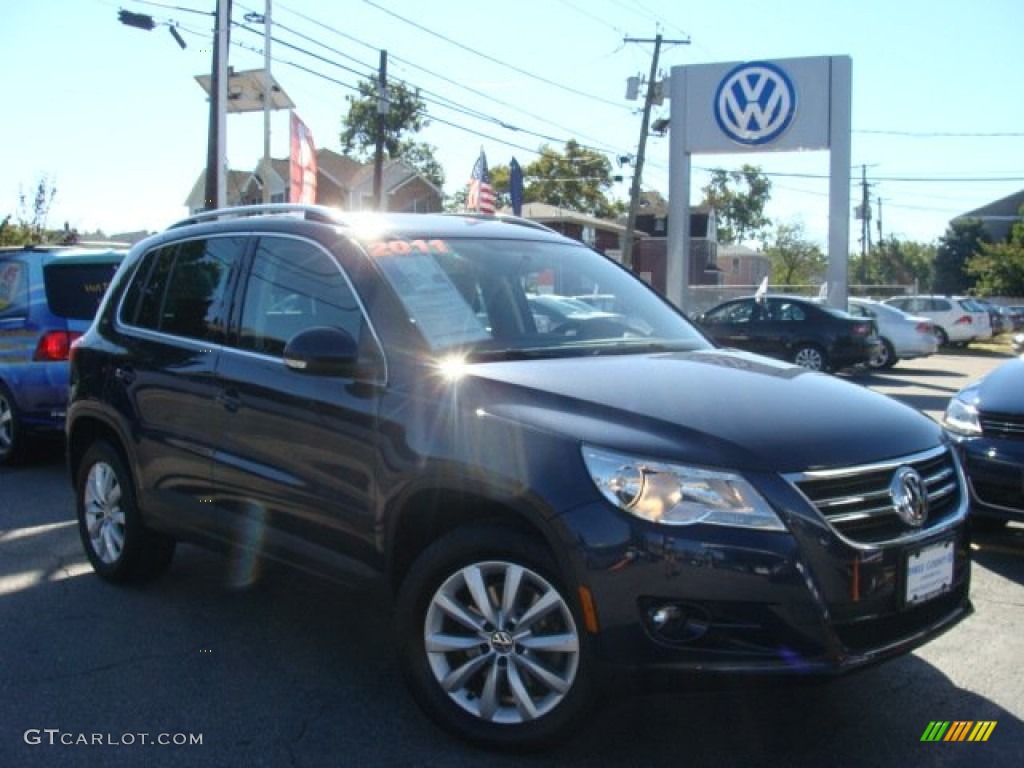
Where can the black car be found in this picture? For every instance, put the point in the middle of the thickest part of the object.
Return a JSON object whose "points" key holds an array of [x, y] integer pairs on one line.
{"points": [[791, 328], [371, 397], [986, 421]]}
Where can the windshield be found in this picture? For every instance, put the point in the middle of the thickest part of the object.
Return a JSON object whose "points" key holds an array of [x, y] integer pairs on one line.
{"points": [[516, 297]]}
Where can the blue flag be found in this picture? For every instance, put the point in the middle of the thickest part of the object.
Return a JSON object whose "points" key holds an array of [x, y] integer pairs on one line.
{"points": [[515, 187]]}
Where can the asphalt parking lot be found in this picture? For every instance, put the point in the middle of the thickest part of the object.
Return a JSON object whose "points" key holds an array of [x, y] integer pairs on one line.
{"points": [[290, 670]]}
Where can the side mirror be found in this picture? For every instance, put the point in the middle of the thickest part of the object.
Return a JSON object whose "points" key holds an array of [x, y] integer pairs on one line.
{"points": [[322, 351]]}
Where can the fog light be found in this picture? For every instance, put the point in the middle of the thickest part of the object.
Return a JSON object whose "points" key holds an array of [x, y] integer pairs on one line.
{"points": [[663, 615], [675, 623]]}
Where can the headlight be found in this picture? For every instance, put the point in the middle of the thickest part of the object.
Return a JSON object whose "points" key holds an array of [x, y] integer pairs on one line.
{"points": [[961, 417], [675, 494]]}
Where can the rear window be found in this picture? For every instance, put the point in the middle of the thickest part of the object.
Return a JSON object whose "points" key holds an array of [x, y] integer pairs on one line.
{"points": [[74, 290], [13, 287]]}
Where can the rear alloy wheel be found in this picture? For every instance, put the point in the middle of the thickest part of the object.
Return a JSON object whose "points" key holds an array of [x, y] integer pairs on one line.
{"points": [[119, 546], [11, 436], [884, 357], [810, 357], [490, 643]]}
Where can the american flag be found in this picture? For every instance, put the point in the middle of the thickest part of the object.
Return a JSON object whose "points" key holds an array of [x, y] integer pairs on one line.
{"points": [[481, 194]]}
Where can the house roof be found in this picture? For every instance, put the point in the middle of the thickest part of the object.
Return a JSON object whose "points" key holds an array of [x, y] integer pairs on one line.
{"points": [[236, 181], [999, 216]]}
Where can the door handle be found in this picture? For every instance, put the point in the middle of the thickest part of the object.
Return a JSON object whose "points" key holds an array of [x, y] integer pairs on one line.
{"points": [[230, 400], [124, 375]]}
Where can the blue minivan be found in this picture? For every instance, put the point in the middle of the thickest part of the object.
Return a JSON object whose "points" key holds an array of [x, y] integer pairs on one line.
{"points": [[48, 296]]}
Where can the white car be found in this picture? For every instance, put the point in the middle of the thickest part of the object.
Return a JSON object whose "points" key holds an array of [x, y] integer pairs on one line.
{"points": [[958, 319], [903, 336]]}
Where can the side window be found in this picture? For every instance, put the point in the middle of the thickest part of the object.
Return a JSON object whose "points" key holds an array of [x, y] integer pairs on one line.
{"points": [[740, 312], [788, 312], [13, 288], [294, 285], [183, 290]]}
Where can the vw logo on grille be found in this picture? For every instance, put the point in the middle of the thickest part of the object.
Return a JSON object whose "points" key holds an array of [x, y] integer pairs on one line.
{"points": [[909, 496], [755, 103]]}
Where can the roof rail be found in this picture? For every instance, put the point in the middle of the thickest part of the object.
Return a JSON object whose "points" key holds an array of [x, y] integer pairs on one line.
{"points": [[505, 218], [321, 213]]}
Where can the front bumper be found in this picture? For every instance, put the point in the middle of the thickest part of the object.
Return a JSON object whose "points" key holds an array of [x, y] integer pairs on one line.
{"points": [[724, 600], [995, 474]]}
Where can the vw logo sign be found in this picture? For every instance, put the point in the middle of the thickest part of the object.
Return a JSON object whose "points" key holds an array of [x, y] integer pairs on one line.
{"points": [[909, 496], [755, 103]]}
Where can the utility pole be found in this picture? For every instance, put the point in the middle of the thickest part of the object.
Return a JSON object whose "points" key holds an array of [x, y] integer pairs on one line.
{"points": [[382, 109], [216, 181], [267, 97], [634, 192], [879, 219]]}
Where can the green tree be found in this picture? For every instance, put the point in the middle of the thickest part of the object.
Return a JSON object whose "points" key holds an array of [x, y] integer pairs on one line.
{"points": [[962, 240], [577, 178], [900, 262], [30, 225], [999, 268], [739, 198], [406, 116], [795, 260]]}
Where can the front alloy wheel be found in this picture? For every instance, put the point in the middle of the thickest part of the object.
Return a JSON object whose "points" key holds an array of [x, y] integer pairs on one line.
{"points": [[489, 641], [501, 642], [104, 515]]}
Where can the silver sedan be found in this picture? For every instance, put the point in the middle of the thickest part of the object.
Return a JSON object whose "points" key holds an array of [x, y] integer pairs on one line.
{"points": [[903, 336]]}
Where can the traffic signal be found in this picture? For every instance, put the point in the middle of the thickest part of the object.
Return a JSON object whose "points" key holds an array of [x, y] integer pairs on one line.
{"points": [[140, 20]]}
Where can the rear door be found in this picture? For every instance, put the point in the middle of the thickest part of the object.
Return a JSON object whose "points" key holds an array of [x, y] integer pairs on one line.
{"points": [[294, 468], [171, 329]]}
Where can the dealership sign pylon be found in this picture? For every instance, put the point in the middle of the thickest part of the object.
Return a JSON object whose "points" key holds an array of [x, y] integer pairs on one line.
{"points": [[761, 106]]}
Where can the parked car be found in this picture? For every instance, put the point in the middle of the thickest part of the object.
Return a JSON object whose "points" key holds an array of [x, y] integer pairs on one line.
{"points": [[986, 422], [995, 315], [958, 320], [1017, 343], [792, 328], [1013, 316], [318, 388], [48, 296], [901, 336]]}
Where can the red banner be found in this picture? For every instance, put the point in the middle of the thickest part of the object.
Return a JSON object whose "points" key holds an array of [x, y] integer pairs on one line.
{"points": [[303, 163]]}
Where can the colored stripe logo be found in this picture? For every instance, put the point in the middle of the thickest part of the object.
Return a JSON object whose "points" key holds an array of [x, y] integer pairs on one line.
{"points": [[958, 730]]}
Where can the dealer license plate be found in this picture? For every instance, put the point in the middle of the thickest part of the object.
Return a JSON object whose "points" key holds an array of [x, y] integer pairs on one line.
{"points": [[929, 572]]}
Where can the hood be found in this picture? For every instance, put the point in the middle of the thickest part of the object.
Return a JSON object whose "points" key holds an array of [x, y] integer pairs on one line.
{"points": [[1001, 391], [712, 407]]}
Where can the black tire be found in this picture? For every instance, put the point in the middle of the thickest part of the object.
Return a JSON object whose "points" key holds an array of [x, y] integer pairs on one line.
{"points": [[942, 336], [513, 662], [885, 358], [811, 357], [12, 436], [119, 546]]}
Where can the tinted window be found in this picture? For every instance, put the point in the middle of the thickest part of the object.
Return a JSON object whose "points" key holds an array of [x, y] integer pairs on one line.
{"points": [[75, 290], [294, 285], [180, 289], [13, 287], [785, 311], [740, 312]]}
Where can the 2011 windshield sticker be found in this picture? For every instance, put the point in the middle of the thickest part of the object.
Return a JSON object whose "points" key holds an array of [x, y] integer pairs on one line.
{"points": [[404, 247]]}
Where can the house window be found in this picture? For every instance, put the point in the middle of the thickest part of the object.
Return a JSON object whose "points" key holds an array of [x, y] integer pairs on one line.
{"points": [[659, 225], [277, 198]]}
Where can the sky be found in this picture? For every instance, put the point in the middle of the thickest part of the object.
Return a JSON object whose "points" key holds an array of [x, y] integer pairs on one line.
{"points": [[113, 117]]}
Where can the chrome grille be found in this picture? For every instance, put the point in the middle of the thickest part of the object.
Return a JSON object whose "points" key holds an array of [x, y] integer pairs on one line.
{"points": [[1006, 425], [856, 501]]}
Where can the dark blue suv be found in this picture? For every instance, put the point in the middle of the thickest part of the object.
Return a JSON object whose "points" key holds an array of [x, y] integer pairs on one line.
{"points": [[377, 397], [48, 296]]}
